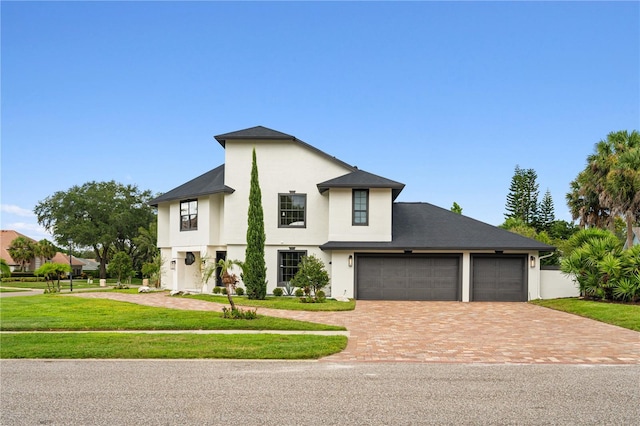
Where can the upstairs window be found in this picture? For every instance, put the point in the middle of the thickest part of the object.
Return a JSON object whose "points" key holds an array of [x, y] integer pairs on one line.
{"points": [[360, 215], [292, 210], [188, 215]]}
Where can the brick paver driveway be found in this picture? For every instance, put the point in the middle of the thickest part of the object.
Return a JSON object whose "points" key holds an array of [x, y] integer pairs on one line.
{"points": [[481, 332]]}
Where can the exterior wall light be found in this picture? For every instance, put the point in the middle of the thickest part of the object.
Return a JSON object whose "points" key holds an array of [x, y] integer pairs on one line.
{"points": [[173, 264], [532, 261], [350, 261]]}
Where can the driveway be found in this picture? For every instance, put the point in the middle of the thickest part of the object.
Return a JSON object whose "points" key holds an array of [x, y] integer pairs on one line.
{"points": [[451, 332]]}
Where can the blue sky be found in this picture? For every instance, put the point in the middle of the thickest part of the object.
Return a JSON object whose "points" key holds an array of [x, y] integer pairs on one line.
{"points": [[446, 97]]}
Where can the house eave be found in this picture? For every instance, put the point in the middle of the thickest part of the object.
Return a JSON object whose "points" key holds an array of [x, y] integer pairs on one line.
{"points": [[157, 201], [366, 245]]}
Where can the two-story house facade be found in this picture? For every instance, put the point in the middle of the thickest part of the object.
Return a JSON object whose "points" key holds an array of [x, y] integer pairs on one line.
{"points": [[315, 204]]}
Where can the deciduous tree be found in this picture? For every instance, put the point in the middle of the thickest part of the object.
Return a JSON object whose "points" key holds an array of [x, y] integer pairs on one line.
{"points": [[121, 266], [101, 215]]}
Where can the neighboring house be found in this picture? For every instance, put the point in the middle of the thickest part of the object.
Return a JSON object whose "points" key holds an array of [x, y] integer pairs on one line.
{"points": [[7, 237], [636, 237], [372, 246], [76, 264], [90, 267]]}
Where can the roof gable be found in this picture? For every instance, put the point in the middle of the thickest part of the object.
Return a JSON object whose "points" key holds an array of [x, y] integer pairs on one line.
{"points": [[6, 238], [211, 182], [423, 226], [261, 133], [64, 259], [257, 132], [362, 179]]}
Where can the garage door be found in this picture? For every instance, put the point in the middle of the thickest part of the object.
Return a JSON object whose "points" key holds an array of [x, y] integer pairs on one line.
{"points": [[499, 279], [408, 277]]}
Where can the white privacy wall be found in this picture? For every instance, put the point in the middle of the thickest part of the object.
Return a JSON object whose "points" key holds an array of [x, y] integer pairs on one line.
{"points": [[554, 284]]}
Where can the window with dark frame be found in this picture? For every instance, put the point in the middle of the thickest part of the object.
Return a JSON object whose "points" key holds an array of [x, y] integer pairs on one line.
{"points": [[292, 210], [188, 215], [288, 265], [360, 207]]}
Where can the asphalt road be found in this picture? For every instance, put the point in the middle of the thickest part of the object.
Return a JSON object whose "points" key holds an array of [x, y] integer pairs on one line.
{"points": [[209, 392]]}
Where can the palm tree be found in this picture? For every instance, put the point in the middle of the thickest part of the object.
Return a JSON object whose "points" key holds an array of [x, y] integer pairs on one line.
{"points": [[584, 202], [229, 279], [146, 243], [22, 251], [46, 249], [616, 164]]}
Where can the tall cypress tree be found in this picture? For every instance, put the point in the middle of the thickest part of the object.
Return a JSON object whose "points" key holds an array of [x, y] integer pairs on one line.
{"points": [[254, 269]]}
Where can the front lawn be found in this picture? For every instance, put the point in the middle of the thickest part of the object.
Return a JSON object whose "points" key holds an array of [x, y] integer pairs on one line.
{"points": [[11, 290], [282, 302], [168, 346], [41, 285], [627, 316], [29, 315], [53, 312]]}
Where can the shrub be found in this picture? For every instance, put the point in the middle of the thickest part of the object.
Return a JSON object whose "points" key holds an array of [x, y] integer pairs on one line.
{"points": [[217, 290], [234, 313], [299, 292], [239, 291], [277, 292], [320, 296], [311, 277], [289, 288], [223, 290], [601, 268]]}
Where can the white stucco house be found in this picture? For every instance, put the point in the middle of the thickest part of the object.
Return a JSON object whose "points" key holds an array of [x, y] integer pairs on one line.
{"points": [[373, 247]]}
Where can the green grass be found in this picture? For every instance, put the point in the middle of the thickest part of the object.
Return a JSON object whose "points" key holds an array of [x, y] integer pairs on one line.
{"points": [[287, 303], [41, 285], [64, 284], [54, 312], [11, 290], [168, 346], [627, 316]]}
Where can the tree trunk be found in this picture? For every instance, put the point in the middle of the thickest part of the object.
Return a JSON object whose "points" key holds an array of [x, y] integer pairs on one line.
{"points": [[102, 258], [233, 305], [629, 220], [229, 280]]}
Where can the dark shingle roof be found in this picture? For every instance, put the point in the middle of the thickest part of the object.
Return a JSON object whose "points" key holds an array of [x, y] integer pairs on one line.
{"points": [[262, 133], [257, 132], [209, 183], [423, 226], [361, 179]]}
